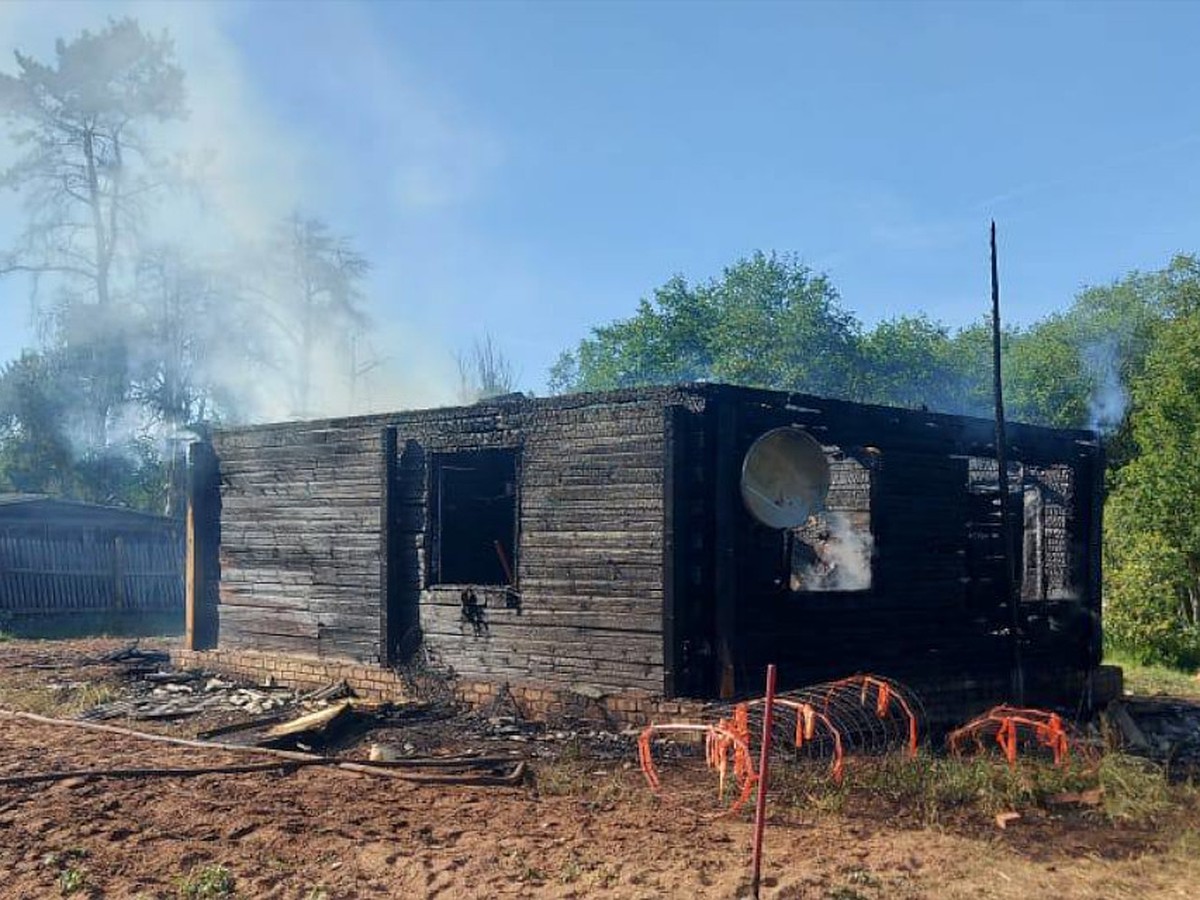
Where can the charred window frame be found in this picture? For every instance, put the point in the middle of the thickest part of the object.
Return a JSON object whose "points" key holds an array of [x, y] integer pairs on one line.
{"points": [[835, 551], [473, 506], [1047, 566], [1041, 500]]}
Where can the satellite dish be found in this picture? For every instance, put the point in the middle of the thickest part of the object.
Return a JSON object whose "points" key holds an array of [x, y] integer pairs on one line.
{"points": [[785, 478]]}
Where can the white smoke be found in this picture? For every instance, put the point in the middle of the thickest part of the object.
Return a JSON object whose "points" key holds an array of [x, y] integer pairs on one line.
{"points": [[246, 168], [842, 555], [1109, 398]]}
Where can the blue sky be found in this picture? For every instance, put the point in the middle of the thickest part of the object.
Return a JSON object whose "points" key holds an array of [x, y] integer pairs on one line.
{"points": [[531, 169]]}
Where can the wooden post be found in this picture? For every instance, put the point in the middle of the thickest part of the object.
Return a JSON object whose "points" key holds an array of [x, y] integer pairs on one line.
{"points": [[203, 544], [1012, 583], [189, 558], [120, 600], [1095, 544]]}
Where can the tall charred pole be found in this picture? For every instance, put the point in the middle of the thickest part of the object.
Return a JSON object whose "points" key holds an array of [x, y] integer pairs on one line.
{"points": [[1011, 583]]}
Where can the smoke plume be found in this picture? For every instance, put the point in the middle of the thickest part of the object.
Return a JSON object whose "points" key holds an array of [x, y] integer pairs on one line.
{"points": [[1109, 398]]}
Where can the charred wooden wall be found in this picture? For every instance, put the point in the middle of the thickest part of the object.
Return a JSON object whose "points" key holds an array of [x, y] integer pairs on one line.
{"points": [[936, 607], [636, 563], [327, 540]]}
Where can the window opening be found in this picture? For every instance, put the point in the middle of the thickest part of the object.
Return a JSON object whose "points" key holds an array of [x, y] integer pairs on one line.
{"points": [[834, 549], [475, 503]]}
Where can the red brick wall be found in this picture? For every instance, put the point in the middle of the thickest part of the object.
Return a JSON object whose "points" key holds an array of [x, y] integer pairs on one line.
{"points": [[532, 701]]}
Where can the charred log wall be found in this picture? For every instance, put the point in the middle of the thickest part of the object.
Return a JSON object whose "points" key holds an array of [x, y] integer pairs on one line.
{"points": [[634, 564], [936, 605], [310, 565]]}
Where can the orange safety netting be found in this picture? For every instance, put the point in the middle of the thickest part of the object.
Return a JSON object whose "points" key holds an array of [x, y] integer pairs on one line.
{"points": [[860, 714], [886, 692], [1012, 727], [722, 744]]}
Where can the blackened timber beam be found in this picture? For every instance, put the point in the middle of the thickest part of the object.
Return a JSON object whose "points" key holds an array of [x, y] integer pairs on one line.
{"points": [[389, 593], [1012, 583], [674, 543], [725, 537], [203, 571], [1094, 484]]}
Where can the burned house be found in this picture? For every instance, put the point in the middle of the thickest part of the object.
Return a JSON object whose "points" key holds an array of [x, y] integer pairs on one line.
{"points": [[634, 541], [77, 568]]}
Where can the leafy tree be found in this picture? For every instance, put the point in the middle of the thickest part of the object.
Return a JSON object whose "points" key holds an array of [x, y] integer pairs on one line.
{"points": [[35, 454], [85, 170], [1046, 379], [1152, 539], [768, 321], [40, 448], [913, 361]]}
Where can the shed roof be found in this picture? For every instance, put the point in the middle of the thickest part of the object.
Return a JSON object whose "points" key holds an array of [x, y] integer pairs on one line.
{"points": [[43, 509]]}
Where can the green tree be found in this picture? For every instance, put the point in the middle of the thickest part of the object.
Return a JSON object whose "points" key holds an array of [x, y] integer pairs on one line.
{"points": [[40, 440], [1152, 533], [914, 361], [35, 454], [85, 172], [768, 321]]}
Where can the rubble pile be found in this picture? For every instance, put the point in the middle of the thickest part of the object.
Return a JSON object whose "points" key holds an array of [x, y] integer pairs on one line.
{"points": [[1164, 728], [174, 695]]}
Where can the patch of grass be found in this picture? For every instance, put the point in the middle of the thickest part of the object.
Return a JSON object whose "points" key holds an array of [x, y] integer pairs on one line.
{"points": [[5, 637], [935, 788], [516, 862], [61, 701], [208, 882], [71, 880], [845, 893], [600, 783], [1150, 680], [1136, 790]]}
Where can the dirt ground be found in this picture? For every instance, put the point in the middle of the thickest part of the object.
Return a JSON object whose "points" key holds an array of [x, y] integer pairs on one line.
{"points": [[583, 826]]}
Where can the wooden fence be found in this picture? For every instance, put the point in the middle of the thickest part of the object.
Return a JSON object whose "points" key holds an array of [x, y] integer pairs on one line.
{"points": [[47, 570]]}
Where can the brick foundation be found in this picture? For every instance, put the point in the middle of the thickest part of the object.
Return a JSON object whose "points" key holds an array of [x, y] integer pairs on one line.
{"points": [[947, 704], [535, 702]]}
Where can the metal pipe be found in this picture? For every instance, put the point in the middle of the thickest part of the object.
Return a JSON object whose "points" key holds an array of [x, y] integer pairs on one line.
{"points": [[760, 803]]}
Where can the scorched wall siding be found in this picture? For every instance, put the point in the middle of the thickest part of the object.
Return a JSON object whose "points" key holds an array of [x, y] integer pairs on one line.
{"points": [[302, 549]]}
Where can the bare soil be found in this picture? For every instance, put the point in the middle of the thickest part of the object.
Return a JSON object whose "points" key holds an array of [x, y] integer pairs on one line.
{"points": [[583, 826]]}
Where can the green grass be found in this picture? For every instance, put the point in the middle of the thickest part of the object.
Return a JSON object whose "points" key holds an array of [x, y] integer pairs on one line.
{"points": [[71, 880], [209, 882], [938, 788], [1146, 680]]}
